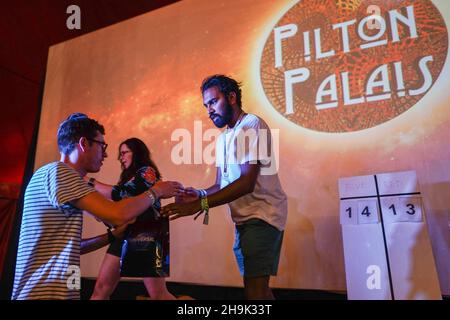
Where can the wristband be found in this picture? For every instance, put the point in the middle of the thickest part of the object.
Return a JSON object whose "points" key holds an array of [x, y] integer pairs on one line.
{"points": [[151, 194], [91, 182], [202, 193], [111, 237], [154, 193], [205, 209]]}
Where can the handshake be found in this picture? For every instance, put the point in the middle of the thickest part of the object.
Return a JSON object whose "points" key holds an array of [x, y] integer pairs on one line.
{"points": [[187, 200]]}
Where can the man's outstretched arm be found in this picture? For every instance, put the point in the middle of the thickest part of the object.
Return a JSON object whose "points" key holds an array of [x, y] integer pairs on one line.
{"points": [[238, 188]]}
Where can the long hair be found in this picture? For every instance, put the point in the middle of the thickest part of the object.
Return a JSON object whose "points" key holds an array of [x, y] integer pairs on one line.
{"points": [[141, 158]]}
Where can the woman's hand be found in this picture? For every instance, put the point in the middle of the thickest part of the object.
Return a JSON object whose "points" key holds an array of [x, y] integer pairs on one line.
{"points": [[167, 189]]}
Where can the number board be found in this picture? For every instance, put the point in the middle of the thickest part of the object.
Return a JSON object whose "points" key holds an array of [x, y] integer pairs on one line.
{"points": [[395, 195]]}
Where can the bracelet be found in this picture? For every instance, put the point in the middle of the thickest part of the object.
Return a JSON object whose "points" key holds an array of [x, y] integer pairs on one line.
{"points": [[205, 209], [111, 237], [151, 194], [91, 182], [202, 193]]}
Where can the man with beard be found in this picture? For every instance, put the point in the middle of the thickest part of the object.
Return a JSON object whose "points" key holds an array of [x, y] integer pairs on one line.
{"points": [[257, 202]]}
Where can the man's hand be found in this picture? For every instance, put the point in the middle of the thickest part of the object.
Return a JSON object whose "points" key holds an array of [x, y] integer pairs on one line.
{"points": [[190, 194], [178, 210], [167, 189]]}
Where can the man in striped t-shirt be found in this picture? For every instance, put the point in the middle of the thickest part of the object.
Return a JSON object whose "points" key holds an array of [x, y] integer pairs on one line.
{"points": [[50, 234]]}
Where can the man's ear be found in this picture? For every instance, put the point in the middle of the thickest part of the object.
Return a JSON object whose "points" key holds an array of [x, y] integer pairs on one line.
{"points": [[83, 143], [232, 100]]}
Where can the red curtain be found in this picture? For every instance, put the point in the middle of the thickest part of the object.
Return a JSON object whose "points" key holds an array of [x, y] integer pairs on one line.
{"points": [[9, 194]]}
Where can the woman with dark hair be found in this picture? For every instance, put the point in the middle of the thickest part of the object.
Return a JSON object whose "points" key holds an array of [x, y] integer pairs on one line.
{"points": [[144, 252]]}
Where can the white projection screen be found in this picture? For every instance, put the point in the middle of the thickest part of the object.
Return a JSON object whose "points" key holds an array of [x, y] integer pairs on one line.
{"points": [[346, 96]]}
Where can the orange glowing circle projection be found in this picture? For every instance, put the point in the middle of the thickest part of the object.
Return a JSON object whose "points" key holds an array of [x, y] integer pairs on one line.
{"points": [[349, 65]]}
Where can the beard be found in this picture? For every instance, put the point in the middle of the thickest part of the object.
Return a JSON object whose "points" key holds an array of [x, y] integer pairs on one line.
{"points": [[221, 121]]}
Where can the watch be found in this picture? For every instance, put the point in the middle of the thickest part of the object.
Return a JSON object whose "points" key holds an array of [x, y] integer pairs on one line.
{"points": [[111, 237], [91, 182]]}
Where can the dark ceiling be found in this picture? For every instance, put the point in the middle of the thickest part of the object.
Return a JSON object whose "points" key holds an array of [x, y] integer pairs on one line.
{"points": [[27, 29]]}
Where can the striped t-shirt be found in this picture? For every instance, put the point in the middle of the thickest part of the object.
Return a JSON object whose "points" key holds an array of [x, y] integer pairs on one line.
{"points": [[49, 245]]}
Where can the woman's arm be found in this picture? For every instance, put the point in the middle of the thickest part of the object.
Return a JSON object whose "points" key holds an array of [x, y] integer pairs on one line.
{"points": [[103, 188], [95, 243]]}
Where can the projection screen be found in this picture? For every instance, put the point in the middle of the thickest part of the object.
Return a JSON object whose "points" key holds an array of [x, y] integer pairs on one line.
{"points": [[345, 94]]}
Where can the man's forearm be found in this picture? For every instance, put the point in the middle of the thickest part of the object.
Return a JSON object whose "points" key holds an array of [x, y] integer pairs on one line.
{"points": [[231, 192], [213, 189]]}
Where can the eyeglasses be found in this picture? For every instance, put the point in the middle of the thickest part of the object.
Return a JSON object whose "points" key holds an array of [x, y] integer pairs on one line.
{"points": [[122, 153], [104, 145]]}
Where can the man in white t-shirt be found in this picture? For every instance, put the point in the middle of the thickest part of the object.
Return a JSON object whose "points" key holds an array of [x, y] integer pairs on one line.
{"points": [[247, 181], [48, 256]]}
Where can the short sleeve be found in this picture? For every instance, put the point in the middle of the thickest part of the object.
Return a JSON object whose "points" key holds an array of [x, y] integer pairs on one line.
{"points": [[64, 185], [148, 174], [253, 143], [143, 179], [219, 148]]}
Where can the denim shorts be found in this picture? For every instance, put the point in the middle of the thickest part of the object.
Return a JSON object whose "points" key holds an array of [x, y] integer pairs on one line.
{"points": [[257, 248]]}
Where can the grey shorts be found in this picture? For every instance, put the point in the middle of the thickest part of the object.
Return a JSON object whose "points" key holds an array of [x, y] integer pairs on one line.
{"points": [[257, 248]]}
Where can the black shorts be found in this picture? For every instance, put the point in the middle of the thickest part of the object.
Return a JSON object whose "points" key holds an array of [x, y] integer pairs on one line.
{"points": [[115, 248]]}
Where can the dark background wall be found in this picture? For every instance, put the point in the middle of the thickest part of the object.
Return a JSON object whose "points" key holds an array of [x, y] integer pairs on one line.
{"points": [[27, 29]]}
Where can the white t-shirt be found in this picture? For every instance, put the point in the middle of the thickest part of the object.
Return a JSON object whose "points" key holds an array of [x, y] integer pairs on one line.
{"points": [[250, 141]]}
